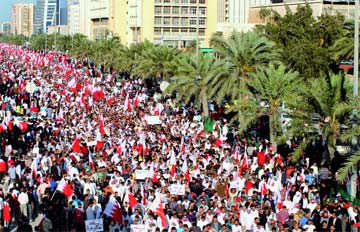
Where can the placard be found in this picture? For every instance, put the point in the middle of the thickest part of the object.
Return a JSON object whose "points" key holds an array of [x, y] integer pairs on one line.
{"points": [[137, 227], [152, 120], [95, 225], [141, 174], [177, 189]]}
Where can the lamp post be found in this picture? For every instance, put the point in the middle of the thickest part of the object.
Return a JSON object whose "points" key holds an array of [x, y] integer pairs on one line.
{"points": [[356, 69], [197, 29]]}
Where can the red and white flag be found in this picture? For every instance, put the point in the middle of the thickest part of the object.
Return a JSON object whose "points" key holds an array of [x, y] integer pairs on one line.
{"points": [[75, 147], [157, 207], [143, 195], [262, 188], [236, 154], [101, 125], [279, 200], [65, 188], [245, 161], [185, 170], [132, 200], [127, 104], [182, 145], [152, 175], [34, 168], [113, 210], [136, 100], [172, 163], [91, 162]]}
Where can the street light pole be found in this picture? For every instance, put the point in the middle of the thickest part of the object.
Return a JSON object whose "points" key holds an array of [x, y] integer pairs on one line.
{"points": [[356, 50], [197, 30], [356, 70]]}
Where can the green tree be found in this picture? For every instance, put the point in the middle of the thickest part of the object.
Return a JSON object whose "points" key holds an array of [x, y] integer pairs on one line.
{"points": [[156, 61], [267, 89], [244, 54], [129, 57], [193, 78], [81, 46], [304, 40], [343, 48], [332, 101]]}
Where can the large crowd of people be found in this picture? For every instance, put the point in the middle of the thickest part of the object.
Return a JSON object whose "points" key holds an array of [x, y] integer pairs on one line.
{"points": [[79, 145]]}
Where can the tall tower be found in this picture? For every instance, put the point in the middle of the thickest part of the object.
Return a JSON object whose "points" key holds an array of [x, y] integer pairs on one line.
{"points": [[22, 15], [45, 15]]}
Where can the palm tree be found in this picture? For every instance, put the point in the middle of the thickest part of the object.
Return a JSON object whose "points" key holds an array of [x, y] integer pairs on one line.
{"points": [[267, 89], [343, 48], [105, 50], [156, 61], [129, 57], [244, 54], [81, 46], [332, 101], [193, 77]]}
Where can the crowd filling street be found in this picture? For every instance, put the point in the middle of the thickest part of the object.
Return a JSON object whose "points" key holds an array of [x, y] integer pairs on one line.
{"points": [[84, 147]]}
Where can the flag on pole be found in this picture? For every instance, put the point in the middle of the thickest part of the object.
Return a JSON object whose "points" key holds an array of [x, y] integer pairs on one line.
{"points": [[182, 145], [185, 170], [172, 163], [113, 210], [65, 188], [132, 200], [75, 147], [157, 207], [152, 174], [101, 125]]}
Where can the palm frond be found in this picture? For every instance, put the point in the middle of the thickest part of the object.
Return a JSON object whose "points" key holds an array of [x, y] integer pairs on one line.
{"points": [[349, 167]]}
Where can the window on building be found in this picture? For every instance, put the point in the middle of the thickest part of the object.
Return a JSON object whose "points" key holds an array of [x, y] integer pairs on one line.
{"points": [[167, 10], [192, 10], [184, 10], [202, 32], [193, 1], [192, 21], [192, 30], [184, 29], [202, 1], [166, 31], [167, 21], [176, 1], [175, 10], [157, 31], [175, 21], [166, 1], [176, 30], [184, 1], [158, 9], [202, 11], [158, 1], [184, 21], [157, 20], [201, 21]]}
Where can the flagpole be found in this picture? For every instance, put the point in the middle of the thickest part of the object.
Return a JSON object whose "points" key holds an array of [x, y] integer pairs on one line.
{"points": [[53, 195]]}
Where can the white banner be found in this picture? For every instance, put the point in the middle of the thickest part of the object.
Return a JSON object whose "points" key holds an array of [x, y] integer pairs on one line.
{"points": [[177, 189], [141, 174], [153, 120], [95, 225], [137, 228]]}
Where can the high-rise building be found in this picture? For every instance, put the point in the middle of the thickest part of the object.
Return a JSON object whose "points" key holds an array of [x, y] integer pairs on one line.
{"points": [[5, 28], [46, 15], [63, 10], [84, 14], [22, 16], [73, 16], [171, 22]]}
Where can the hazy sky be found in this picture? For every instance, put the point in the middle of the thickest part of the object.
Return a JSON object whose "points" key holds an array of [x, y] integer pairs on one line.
{"points": [[5, 9]]}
